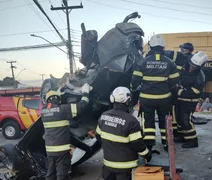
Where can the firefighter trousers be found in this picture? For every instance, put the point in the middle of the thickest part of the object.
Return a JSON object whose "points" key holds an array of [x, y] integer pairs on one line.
{"points": [[58, 167], [186, 127], [108, 174], [149, 107], [174, 121]]}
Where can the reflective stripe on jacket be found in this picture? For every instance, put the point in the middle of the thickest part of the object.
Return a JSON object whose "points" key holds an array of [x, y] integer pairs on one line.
{"points": [[56, 122], [121, 138], [157, 76]]}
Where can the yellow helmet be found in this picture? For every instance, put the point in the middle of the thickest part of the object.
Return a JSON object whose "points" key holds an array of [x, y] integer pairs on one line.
{"points": [[51, 93]]}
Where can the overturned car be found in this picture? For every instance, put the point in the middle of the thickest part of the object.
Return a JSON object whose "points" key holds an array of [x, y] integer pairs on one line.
{"points": [[108, 64]]}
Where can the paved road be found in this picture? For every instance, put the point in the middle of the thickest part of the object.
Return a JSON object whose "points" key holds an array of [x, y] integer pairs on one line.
{"points": [[196, 163]]}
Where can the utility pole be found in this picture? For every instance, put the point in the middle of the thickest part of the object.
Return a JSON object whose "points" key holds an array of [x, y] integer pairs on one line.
{"points": [[42, 76], [12, 67], [68, 43]]}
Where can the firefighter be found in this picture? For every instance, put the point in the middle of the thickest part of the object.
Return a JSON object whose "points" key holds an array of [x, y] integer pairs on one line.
{"points": [[121, 137], [158, 75], [180, 60], [56, 117], [187, 49], [192, 81]]}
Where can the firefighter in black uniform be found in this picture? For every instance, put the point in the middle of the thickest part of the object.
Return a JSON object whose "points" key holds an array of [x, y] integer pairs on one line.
{"points": [[121, 137], [192, 81], [56, 117], [158, 75], [180, 60]]}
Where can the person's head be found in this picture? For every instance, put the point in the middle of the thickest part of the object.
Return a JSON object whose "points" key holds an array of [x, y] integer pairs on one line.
{"points": [[186, 48], [121, 95], [197, 60], [157, 42], [53, 97], [207, 100]]}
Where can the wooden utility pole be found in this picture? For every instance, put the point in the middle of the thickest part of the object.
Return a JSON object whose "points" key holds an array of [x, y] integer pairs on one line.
{"points": [[42, 75], [66, 8], [12, 67]]}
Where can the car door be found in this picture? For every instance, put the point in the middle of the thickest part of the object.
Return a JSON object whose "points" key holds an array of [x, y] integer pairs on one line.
{"points": [[29, 110]]}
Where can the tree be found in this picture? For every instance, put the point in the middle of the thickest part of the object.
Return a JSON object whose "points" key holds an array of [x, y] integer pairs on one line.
{"points": [[8, 81]]}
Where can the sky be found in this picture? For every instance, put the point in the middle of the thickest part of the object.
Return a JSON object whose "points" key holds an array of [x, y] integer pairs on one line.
{"points": [[20, 18]]}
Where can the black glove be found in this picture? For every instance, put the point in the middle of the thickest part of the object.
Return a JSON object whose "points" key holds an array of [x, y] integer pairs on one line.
{"points": [[148, 156]]}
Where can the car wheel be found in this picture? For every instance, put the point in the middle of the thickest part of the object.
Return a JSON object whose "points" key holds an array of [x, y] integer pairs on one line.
{"points": [[11, 130]]}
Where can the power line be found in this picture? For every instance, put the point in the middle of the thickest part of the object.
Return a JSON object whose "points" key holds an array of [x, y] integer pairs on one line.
{"points": [[167, 8], [44, 31], [31, 47], [35, 11], [5, 1], [181, 4], [19, 6], [155, 15]]}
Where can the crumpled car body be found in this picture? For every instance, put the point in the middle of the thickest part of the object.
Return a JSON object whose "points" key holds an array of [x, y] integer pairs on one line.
{"points": [[108, 64]]}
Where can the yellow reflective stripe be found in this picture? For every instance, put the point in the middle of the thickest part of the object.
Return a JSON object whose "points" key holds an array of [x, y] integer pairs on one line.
{"points": [[162, 130], [179, 92], [147, 137], [174, 115], [54, 124], [188, 100], [163, 137], [153, 96], [179, 67], [98, 130], [74, 110], [145, 152], [85, 99], [149, 130], [189, 131], [190, 137], [137, 73], [135, 136], [171, 76], [196, 91], [58, 148], [157, 57], [143, 122], [175, 56], [173, 127], [112, 137], [121, 165], [152, 78]]}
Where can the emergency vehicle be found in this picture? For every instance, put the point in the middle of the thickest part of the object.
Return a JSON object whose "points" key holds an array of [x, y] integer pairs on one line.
{"points": [[17, 114]]}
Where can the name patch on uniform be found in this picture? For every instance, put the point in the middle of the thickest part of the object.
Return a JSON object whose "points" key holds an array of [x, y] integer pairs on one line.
{"points": [[49, 112], [156, 65], [113, 121]]}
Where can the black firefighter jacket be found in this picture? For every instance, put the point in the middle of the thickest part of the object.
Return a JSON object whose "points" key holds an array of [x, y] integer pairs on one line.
{"points": [[191, 85], [179, 59], [56, 121], [158, 75], [121, 138]]}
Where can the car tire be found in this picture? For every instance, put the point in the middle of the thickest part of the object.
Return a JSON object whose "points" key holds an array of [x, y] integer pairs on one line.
{"points": [[47, 85], [11, 130]]}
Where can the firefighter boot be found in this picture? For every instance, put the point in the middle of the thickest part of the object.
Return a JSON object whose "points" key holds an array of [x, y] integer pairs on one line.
{"points": [[191, 144], [179, 139]]}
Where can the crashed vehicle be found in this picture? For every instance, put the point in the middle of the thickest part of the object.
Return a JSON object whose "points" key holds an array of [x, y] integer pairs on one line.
{"points": [[108, 64]]}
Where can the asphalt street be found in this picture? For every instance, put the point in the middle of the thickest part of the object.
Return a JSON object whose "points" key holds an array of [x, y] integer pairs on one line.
{"points": [[196, 162]]}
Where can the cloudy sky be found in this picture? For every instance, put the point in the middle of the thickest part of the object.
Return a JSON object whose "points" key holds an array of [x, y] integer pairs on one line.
{"points": [[20, 18]]}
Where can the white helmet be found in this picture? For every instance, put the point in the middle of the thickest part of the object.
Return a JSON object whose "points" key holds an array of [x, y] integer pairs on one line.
{"points": [[157, 40], [199, 58], [120, 95]]}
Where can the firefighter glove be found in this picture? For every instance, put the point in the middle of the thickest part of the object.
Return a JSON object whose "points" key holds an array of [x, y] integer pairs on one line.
{"points": [[148, 156], [86, 88]]}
